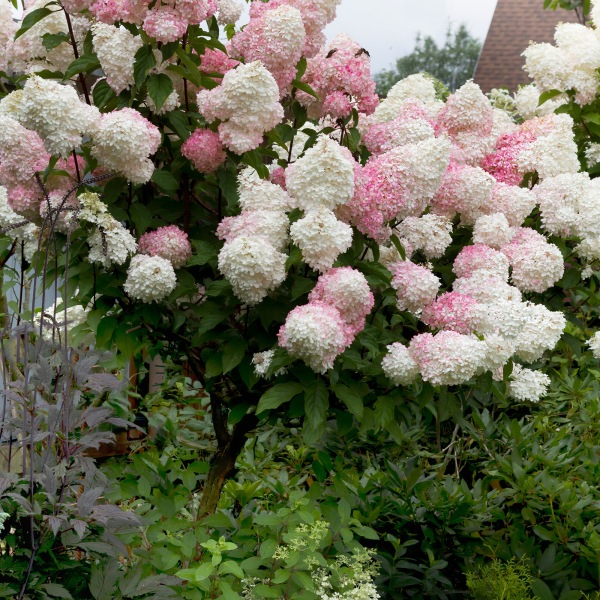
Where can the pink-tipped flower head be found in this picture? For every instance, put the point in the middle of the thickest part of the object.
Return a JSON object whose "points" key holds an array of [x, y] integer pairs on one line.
{"points": [[347, 290], [315, 333], [448, 358], [205, 150], [452, 311], [415, 286], [168, 242], [480, 258]]}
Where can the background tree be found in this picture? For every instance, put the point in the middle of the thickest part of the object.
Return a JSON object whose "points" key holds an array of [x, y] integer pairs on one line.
{"points": [[453, 63]]}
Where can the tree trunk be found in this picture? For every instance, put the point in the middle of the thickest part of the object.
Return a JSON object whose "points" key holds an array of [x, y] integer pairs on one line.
{"points": [[223, 465]]}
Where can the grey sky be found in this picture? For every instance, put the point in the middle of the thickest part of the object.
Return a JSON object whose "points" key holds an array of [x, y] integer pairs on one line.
{"points": [[387, 28]]}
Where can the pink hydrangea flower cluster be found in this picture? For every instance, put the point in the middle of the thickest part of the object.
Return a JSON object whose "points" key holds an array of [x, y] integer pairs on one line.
{"points": [[205, 150], [411, 125], [416, 286], [168, 242], [347, 290], [316, 14], [344, 67], [341, 297], [165, 21], [216, 61], [536, 264], [276, 38], [452, 311], [397, 184], [463, 190]]}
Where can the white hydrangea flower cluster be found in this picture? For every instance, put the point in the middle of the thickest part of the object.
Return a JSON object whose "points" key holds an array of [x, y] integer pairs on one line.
{"points": [[248, 104], [229, 12], [28, 53], [57, 114], [252, 266], [414, 86], [52, 321], [315, 333], [527, 99], [324, 176], [260, 232], [8, 28], [262, 361], [514, 202], [526, 385], [571, 64], [492, 230], [149, 278], [110, 243], [594, 344], [124, 142], [116, 48], [430, 233], [399, 365], [552, 154], [323, 179]]}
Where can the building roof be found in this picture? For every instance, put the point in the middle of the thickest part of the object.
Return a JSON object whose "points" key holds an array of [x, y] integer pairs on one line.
{"points": [[515, 23]]}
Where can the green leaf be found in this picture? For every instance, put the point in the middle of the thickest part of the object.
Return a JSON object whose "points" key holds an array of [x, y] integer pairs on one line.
{"points": [[228, 593], [165, 181], [87, 62], [253, 159], [541, 590], [264, 591], [214, 365], [204, 253], [105, 331], [56, 590], [51, 164], [141, 216], [399, 246], [350, 398], [301, 68], [144, 61], [102, 94], [203, 571], [52, 40], [384, 411], [545, 96], [218, 288], [233, 354], [571, 278], [305, 88], [88, 43], [302, 285], [316, 403], [126, 343], [279, 394], [32, 18], [268, 547], [144, 487], [281, 359], [160, 88], [231, 567], [179, 123], [228, 185], [572, 342]]}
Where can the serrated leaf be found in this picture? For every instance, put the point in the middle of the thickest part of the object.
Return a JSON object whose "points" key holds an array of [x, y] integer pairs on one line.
{"points": [[233, 354], [399, 246], [31, 19], [316, 403], [141, 216], [350, 398], [545, 96], [144, 61], [165, 181], [86, 62], [160, 87], [305, 88], [279, 394], [52, 40], [102, 94]]}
